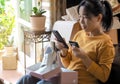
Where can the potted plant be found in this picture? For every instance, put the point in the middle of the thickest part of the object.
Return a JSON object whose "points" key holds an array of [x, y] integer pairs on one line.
{"points": [[9, 48], [38, 19]]}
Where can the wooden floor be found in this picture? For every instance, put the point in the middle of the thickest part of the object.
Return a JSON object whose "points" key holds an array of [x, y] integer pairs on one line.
{"points": [[11, 76]]}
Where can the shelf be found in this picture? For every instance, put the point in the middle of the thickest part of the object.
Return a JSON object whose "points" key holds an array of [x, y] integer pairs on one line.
{"points": [[35, 37]]}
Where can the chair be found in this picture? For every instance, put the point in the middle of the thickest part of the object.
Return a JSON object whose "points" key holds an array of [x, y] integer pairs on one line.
{"points": [[67, 29]]}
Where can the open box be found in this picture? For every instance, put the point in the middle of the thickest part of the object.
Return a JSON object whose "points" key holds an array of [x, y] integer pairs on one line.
{"points": [[56, 76]]}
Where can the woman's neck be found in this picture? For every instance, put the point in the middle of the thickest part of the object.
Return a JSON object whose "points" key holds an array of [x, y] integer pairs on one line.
{"points": [[95, 33]]}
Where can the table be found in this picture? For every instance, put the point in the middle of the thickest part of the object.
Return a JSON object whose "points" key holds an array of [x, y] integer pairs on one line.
{"points": [[35, 37]]}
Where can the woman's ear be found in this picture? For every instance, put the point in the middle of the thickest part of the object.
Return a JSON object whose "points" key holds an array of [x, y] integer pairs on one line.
{"points": [[99, 17]]}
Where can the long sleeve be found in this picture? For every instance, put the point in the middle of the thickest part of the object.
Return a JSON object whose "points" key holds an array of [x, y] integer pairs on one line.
{"points": [[66, 60], [105, 56], [100, 50]]}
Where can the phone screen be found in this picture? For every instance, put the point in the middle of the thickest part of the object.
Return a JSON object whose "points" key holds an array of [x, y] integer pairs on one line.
{"points": [[59, 38], [73, 43]]}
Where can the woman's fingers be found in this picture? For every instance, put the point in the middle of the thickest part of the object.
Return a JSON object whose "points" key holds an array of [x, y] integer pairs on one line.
{"points": [[59, 45], [78, 52]]}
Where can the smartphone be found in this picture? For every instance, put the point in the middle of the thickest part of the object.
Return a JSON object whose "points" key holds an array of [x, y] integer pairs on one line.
{"points": [[59, 38], [73, 43]]}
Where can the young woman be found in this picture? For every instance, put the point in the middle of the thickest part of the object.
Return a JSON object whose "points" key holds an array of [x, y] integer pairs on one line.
{"points": [[93, 60]]}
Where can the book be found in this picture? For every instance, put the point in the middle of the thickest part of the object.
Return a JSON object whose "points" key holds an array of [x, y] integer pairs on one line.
{"points": [[47, 75], [72, 13]]}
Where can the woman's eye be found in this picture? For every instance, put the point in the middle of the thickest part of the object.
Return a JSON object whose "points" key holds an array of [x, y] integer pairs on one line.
{"points": [[83, 16]]}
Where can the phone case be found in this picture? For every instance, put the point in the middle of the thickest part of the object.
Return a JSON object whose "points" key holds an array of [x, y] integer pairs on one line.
{"points": [[59, 38], [73, 43]]}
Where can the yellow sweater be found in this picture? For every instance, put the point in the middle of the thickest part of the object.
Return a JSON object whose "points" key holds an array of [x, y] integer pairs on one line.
{"points": [[101, 51]]}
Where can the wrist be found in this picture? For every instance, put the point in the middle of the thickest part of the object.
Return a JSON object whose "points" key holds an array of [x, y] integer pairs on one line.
{"points": [[63, 53]]}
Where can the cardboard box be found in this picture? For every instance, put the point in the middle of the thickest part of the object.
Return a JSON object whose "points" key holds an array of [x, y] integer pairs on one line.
{"points": [[9, 61], [65, 77], [58, 76], [68, 77]]}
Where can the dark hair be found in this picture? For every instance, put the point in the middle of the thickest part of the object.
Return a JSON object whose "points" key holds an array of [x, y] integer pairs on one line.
{"points": [[96, 7], [119, 1]]}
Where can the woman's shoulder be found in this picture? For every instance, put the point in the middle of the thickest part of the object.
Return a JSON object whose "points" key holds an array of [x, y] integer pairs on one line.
{"points": [[81, 32], [106, 40], [107, 37]]}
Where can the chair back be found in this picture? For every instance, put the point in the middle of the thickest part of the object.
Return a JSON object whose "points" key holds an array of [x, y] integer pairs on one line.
{"points": [[67, 29]]}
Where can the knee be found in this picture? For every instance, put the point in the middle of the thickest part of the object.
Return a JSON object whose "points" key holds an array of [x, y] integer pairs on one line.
{"points": [[24, 79], [44, 82]]}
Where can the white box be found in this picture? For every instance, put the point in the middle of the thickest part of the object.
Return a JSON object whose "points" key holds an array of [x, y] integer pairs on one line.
{"points": [[63, 76]]}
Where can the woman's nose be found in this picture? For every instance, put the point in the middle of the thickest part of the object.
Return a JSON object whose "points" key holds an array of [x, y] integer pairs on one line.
{"points": [[81, 20]]}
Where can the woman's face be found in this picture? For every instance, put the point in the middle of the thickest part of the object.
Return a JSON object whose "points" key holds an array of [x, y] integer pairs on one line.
{"points": [[88, 22]]}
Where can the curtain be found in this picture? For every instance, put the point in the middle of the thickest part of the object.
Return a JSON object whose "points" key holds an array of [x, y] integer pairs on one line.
{"points": [[55, 9], [58, 8]]}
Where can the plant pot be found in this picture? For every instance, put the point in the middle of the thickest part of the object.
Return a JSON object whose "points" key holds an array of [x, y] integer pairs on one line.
{"points": [[38, 23], [10, 49]]}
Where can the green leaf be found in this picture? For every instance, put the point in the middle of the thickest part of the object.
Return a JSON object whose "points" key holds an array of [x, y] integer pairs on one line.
{"points": [[37, 11]]}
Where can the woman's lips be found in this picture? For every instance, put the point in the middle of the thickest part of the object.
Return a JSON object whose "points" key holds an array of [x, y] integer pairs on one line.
{"points": [[83, 27]]}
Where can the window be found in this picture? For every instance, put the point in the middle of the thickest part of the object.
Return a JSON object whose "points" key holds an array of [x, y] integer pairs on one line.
{"points": [[23, 12], [25, 7]]}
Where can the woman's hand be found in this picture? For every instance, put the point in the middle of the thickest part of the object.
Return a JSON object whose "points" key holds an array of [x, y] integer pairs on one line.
{"points": [[78, 52], [60, 47]]}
